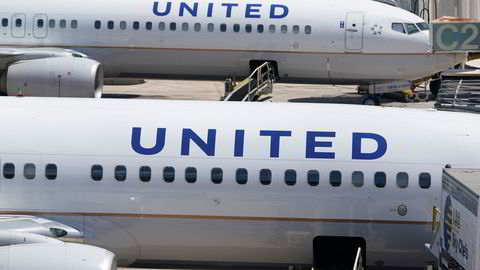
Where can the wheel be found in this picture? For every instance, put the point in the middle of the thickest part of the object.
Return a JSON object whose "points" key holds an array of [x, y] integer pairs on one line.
{"points": [[435, 86], [371, 101]]}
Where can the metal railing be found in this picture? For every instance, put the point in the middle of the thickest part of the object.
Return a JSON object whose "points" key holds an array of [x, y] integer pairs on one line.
{"points": [[263, 78], [258, 83]]}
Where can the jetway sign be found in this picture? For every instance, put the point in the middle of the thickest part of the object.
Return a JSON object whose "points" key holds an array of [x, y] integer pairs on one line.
{"points": [[455, 36]]}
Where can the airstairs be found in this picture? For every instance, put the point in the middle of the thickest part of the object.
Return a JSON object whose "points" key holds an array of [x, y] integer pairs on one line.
{"points": [[259, 83]]}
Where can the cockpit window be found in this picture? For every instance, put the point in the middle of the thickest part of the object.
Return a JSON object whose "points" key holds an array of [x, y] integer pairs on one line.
{"points": [[411, 28], [423, 26], [398, 27]]}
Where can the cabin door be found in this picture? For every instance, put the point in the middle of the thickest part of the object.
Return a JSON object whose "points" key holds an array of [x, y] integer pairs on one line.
{"points": [[18, 25], [354, 32], [40, 26]]}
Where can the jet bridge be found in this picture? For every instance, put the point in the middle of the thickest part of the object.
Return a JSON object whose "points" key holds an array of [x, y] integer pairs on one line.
{"points": [[259, 83]]}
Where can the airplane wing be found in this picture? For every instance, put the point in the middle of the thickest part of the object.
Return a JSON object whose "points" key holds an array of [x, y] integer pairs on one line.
{"points": [[9, 52], [28, 242], [36, 53]]}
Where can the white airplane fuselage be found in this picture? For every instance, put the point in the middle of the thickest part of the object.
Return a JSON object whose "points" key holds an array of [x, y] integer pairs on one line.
{"points": [[337, 41], [158, 222]]}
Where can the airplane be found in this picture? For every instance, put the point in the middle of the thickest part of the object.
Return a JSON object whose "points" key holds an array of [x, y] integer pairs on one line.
{"points": [[175, 183], [55, 48]]}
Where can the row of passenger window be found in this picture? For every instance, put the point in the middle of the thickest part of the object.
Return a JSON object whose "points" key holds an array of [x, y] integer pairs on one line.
{"points": [[29, 171], [197, 27], [241, 176], [40, 23], [265, 176], [162, 26]]}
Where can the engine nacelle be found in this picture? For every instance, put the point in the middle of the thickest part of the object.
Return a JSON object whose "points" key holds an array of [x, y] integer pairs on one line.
{"points": [[54, 77], [56, 256]]}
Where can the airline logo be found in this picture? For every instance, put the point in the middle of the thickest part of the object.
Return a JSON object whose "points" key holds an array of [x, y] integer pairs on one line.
{"points": [[316, 143], [198, 9]]}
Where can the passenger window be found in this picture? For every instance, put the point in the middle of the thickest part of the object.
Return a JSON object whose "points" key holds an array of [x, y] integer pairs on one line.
{"points": [[357, 179], [110, 25], [380, 179], [191, 175], [402, 180], [136, 25], [145, 174], [248, 28], [308, 29], [185, 27], [236, 28], [98, 24], [51, 24], [425, 180], [296, 29], [169, 174], [284, 29], [217, 175], [313, 178], [74, 24], [173, 26], [265, 177], [197, 27], [260, 28], [29, 171], [18, 22], [411, 28], [40, 23], [223, 27], [272, 28], [123, 25], [97, 172], [9, 170], [149, 26], [335, 178], [161, 26], [4, 22], [210, 27], [290, 177], [242, 176], [398, 27], [120, 173], [51, 171], [63, 24]]}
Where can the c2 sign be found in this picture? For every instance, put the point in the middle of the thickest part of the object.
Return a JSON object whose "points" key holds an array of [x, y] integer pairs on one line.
{"points": [[455, 36]]}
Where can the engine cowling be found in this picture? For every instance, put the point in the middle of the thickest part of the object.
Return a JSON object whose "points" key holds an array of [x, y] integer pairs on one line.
{"points": [[54, 77], [56, 256]]}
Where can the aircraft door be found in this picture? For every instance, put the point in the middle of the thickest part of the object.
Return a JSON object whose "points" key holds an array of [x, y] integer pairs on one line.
{"points": [[40, 26], [18, 25], [354, 32]]}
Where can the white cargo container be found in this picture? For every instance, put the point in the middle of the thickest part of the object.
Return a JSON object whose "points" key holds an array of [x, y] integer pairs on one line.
{"points": [[457, 231]]}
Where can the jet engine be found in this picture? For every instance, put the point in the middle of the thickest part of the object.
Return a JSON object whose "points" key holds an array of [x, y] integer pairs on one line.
{"points": [[53, 77], [64, 256], [26, 251]]}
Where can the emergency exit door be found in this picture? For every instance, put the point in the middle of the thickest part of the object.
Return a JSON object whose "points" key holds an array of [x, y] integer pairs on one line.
{"points": [[354, 32], [40, 26], [18, 25]]}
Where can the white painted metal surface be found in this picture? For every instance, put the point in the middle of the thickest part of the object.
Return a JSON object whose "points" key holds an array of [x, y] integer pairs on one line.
{"points": [[160, 222]]}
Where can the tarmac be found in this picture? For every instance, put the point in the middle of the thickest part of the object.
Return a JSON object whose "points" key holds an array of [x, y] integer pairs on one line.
{"points": [[282, 92]]}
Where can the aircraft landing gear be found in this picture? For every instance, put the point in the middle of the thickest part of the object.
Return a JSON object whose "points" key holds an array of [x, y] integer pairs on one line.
{"points": [[435, 86], [371, 100]]}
